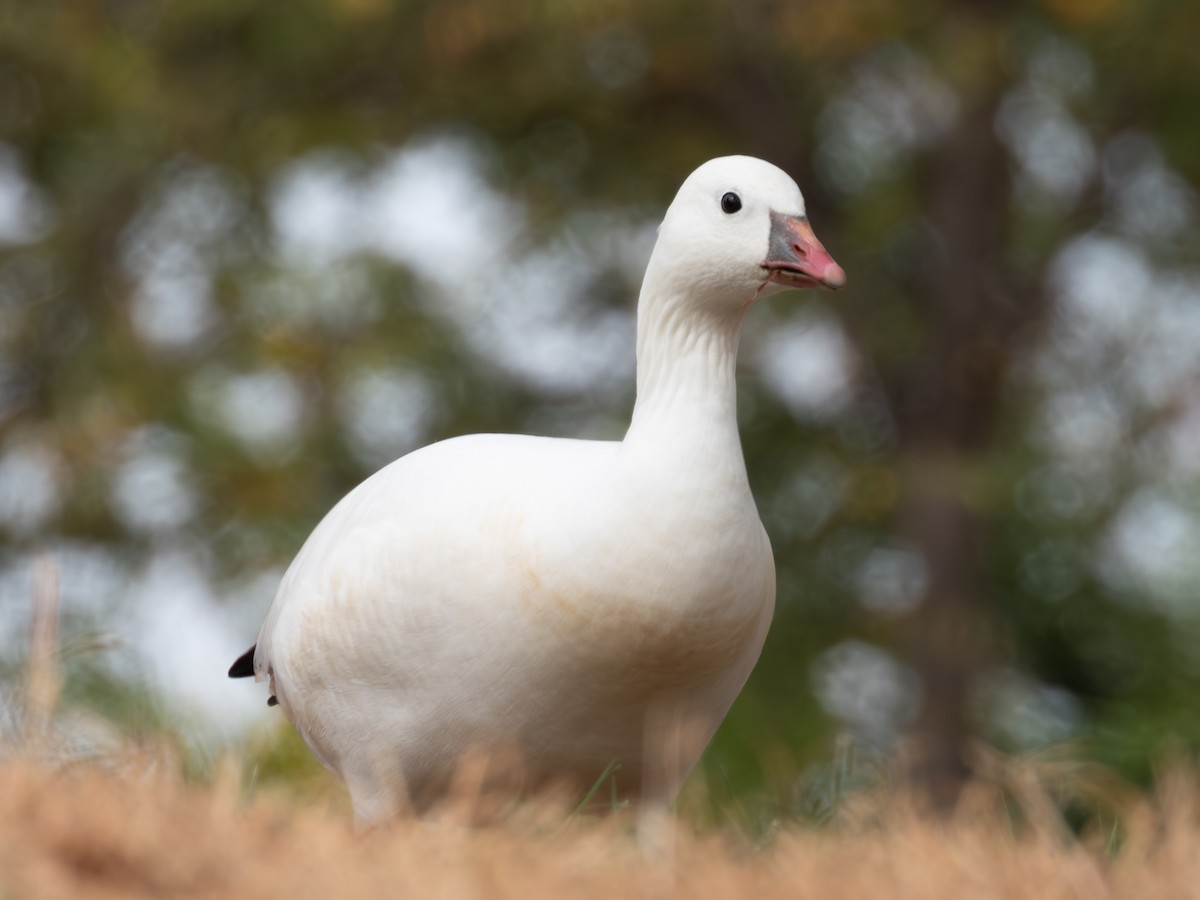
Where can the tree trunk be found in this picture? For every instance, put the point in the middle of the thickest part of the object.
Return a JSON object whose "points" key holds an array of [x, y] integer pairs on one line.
{"points": [[946, 407]]}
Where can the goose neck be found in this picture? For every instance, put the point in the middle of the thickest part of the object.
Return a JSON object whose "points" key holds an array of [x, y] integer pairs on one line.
{"points": [[686, 366]]}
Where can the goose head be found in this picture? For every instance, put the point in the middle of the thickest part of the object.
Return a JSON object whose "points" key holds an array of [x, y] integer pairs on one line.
{"points": [[737, 230]]}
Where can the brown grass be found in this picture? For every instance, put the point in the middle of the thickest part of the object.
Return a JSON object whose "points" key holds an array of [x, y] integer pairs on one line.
{"points": [[127, 824], [140, 830]]}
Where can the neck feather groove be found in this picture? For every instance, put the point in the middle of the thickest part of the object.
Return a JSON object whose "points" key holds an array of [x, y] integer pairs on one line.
{"points": [[686, 366]]}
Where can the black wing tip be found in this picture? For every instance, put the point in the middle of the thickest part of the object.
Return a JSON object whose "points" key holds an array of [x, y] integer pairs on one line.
{"points": [[272, 701], [244, 666]]}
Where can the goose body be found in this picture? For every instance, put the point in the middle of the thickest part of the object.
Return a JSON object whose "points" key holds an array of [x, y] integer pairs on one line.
{"points": [[588, 607]]}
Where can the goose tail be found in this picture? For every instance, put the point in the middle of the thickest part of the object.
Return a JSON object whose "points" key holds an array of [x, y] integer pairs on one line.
{"points": [[243, 667]]}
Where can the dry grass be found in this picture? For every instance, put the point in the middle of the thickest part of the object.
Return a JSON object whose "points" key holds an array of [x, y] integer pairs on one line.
{"points": [[127, 824], [140, 830]]}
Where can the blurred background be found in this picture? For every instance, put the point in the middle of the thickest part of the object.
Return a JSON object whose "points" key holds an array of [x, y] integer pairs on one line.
{"points": [[250, 253]]}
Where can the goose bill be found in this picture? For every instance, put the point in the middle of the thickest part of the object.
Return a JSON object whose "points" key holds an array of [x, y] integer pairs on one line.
{"points": [[795, 258]]}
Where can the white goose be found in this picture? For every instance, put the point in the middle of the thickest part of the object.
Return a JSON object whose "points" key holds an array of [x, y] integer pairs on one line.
{"points": [[594, 606]]}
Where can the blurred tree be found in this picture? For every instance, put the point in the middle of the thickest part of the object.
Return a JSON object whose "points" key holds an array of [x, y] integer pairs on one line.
{"points": [[249, 253]]}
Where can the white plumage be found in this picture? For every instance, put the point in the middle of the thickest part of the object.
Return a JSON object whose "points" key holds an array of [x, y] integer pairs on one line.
{"points": [[591, 606]]}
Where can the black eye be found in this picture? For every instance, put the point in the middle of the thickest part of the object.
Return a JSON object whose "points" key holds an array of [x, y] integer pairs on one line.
{"points": [[731, 203]]}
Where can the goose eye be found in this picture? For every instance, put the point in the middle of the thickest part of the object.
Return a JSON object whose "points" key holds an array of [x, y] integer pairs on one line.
{"points": [[731, 203]]}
